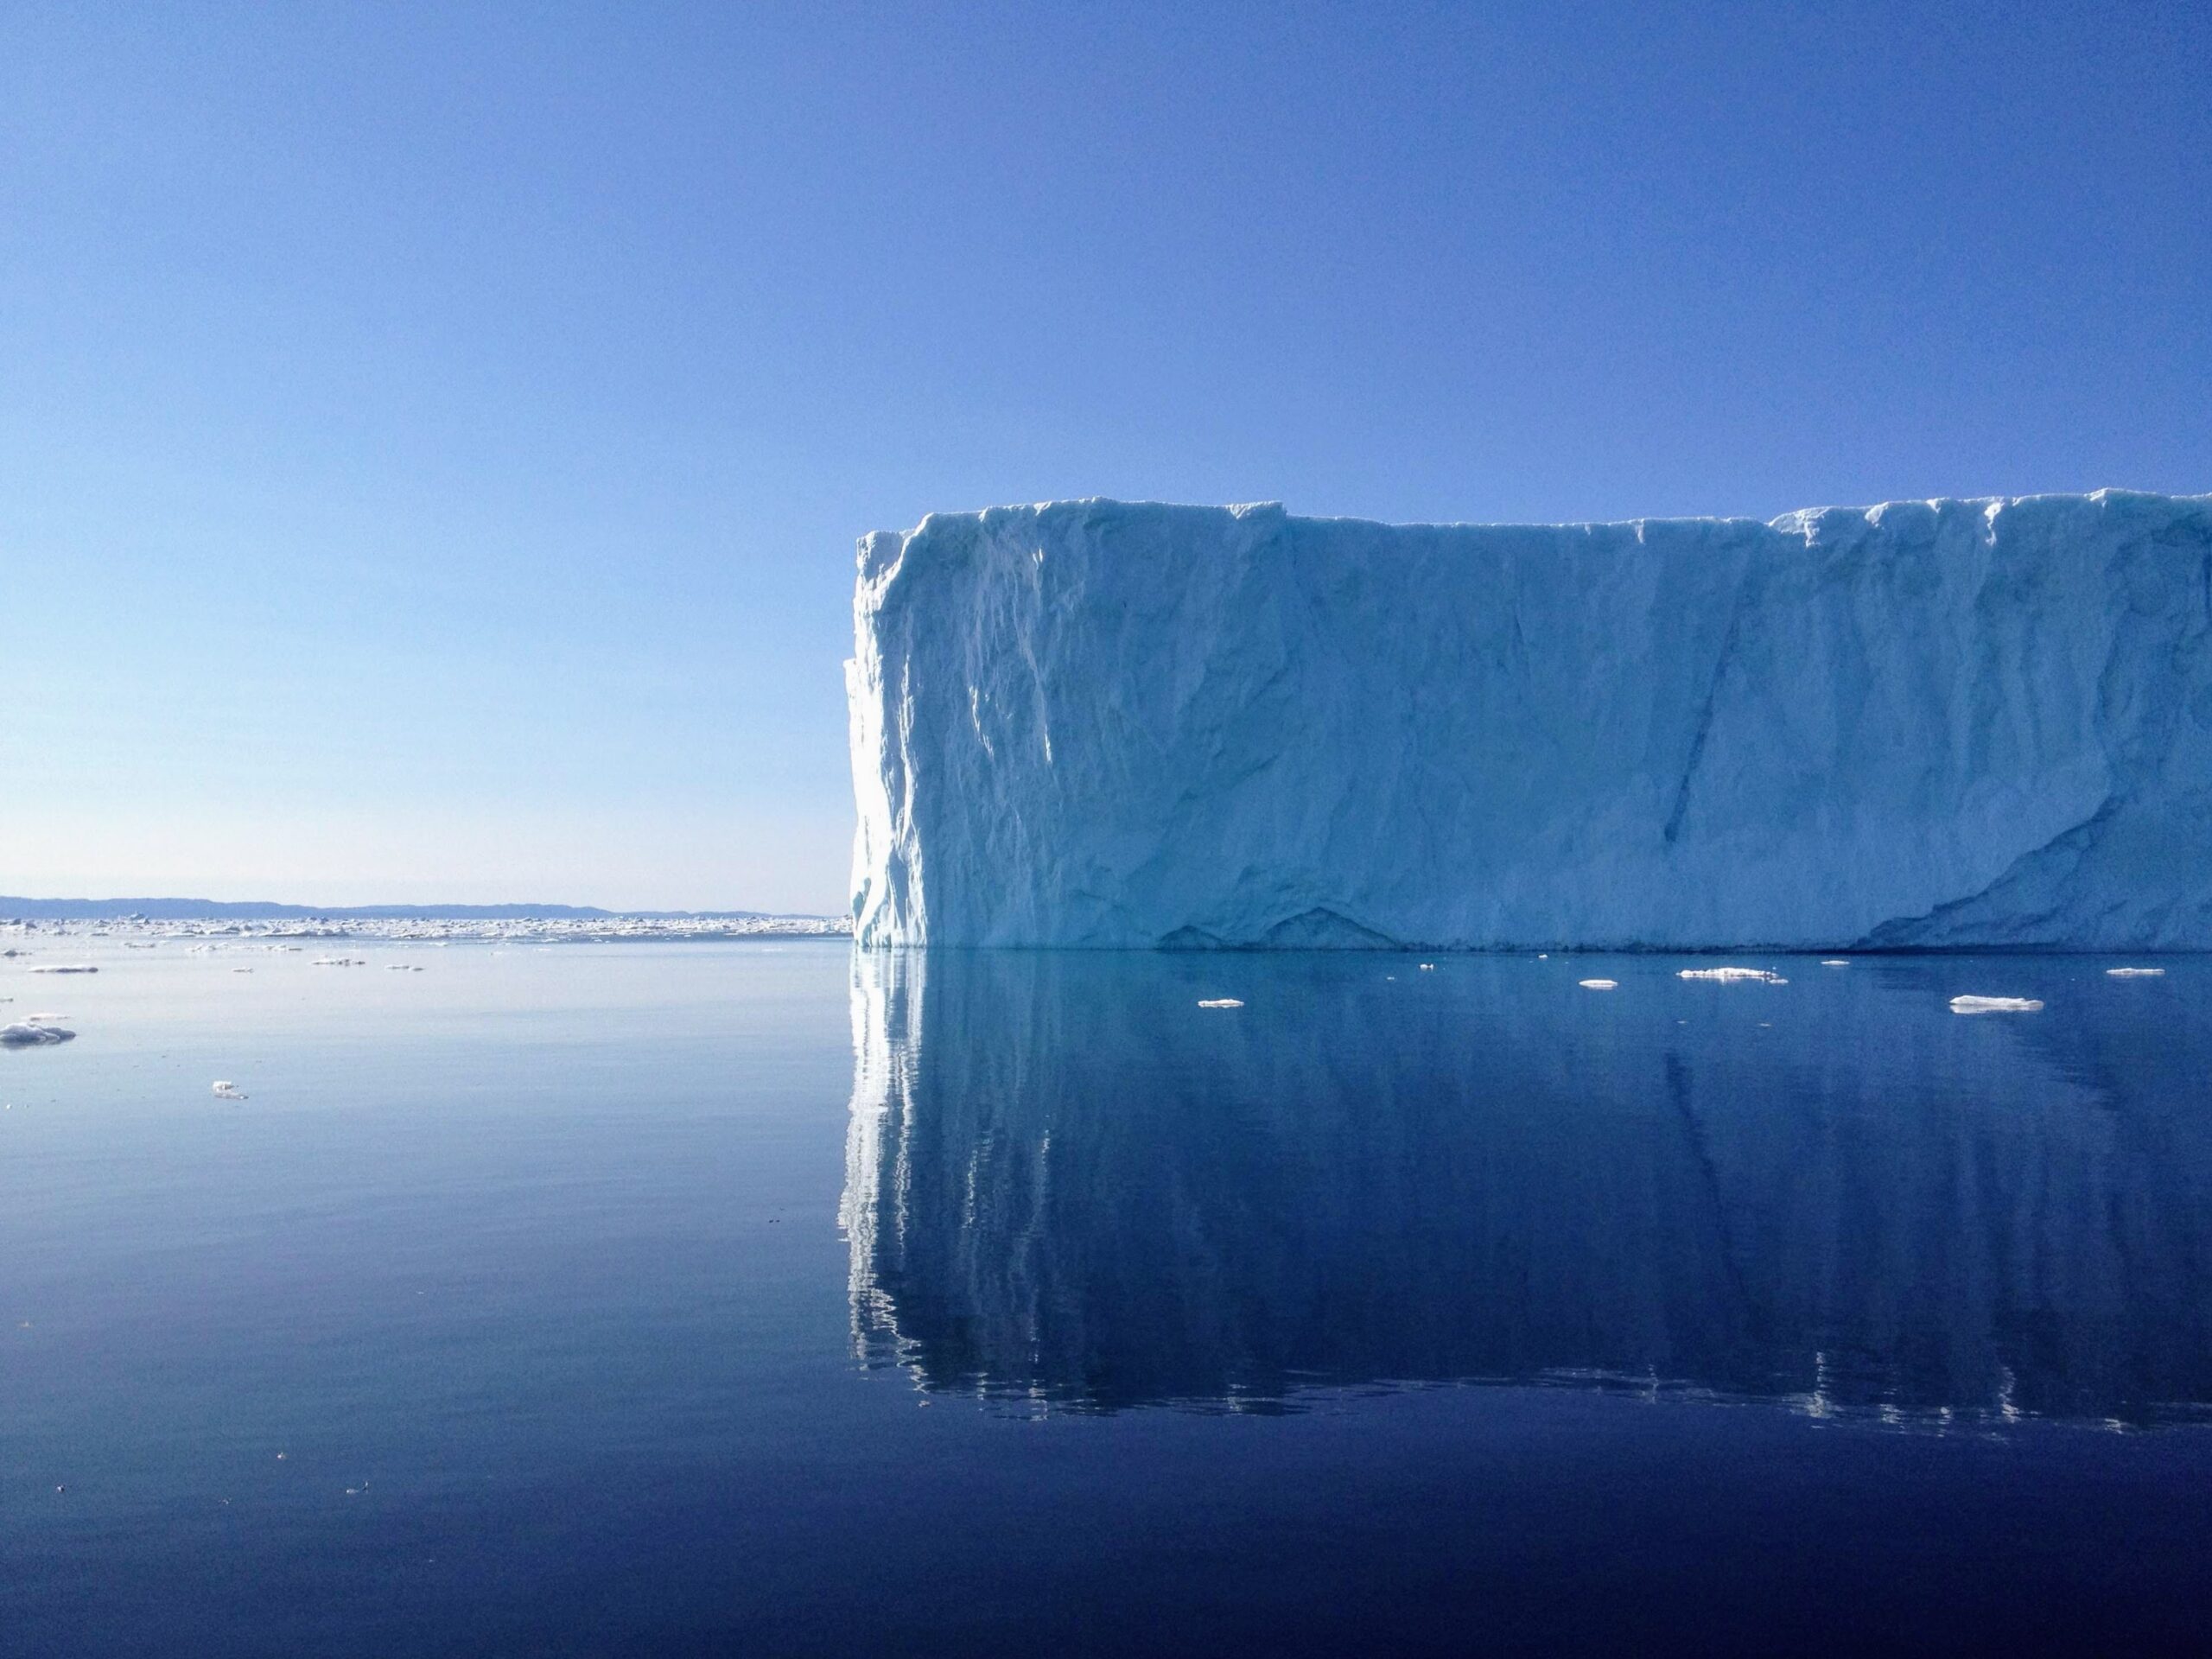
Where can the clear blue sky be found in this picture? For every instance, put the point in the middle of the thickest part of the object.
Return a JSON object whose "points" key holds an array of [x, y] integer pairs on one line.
{"points": [[432, 439]]}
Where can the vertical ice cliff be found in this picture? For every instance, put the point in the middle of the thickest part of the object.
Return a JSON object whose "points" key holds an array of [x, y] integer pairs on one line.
{"points": [[1928, 723]]}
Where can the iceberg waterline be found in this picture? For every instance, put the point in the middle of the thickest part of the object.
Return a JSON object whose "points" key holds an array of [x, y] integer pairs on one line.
{"points": [[1922, 725]]}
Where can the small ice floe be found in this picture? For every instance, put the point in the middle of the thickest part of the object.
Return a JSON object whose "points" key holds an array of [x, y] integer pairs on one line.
{"points": [[66, 968], [1599, 984], [339, 962], [1219, 1002], [32, 1034], [2134, 973], [1994, 1005], [1835, 962], [1428, 967], [1734, 975], [225, 1089]]}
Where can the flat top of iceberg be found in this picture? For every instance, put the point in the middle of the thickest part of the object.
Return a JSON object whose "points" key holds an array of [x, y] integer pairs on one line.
{"points": [[1796, 521]]}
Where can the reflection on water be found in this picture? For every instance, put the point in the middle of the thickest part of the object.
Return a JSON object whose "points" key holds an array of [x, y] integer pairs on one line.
{"points": [[1068, 1183]]}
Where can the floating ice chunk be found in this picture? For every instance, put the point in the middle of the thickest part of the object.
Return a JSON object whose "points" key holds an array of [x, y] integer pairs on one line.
{"points": [[1835, 962], [1734, 975], [2134, 973], [1428, 967], [339, 962], [1994, 1005], [1219, 1002], [1599, 984], [31, 1034], [69, 968], [225, 1089]]}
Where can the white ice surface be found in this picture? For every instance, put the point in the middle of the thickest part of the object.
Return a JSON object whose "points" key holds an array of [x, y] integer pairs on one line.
{"points": [[1939, 724]]}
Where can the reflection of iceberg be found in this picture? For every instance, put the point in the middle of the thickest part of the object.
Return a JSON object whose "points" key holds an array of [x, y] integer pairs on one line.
{"points": [[1065, 1182]]}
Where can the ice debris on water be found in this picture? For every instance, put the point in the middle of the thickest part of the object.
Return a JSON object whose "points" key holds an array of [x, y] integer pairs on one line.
{"points": [[32, 1034], [1219, 1002], [1994, 1005], [280, 933], [1734, 975], [68, 967], [225, 1089], [2134, 973], [1599, 984], [1835, 962]]}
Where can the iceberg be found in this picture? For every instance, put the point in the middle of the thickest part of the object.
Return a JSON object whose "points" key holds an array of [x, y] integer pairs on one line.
{"points": [[1924, 725], [1995, 1005]]}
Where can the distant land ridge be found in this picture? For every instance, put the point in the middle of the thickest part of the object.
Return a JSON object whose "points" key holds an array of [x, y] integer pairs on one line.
{"points": [[193, 910]]}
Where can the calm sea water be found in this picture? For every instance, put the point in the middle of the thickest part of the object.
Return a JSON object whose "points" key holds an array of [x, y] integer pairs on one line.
{"points": [[758, 1298]]}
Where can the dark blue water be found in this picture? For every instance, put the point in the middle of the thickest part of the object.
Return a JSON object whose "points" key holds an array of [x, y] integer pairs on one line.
{"points": [[752, 1300]]}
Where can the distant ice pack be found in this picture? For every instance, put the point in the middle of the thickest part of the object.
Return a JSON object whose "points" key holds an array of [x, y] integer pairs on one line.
{"points": [[1940, 723]]}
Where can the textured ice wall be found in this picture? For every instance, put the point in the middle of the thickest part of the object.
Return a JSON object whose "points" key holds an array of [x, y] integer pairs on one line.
{"points": [[1876, 1204], [1940, 723]]}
